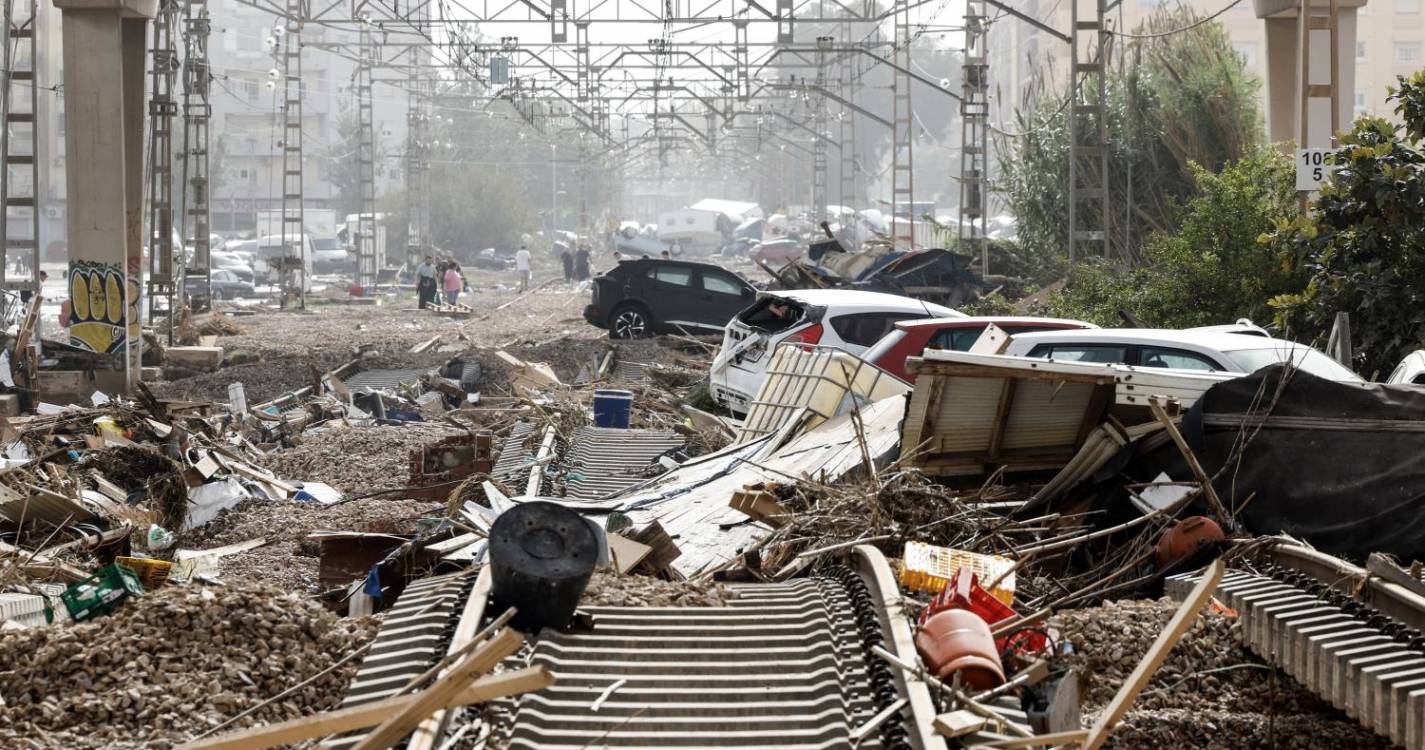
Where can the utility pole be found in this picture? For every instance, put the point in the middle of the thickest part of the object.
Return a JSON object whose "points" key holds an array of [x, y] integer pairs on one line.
{"points": [[902, 133], [165, 272], [19, 147], [818, 144], [1088, 131], [974, 133], [366, 164], [850, 194], [418, 134], [294, 282], [197, 112]]}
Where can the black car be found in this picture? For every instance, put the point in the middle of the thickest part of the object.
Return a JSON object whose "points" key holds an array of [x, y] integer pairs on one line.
{"points": [[643, 297]]}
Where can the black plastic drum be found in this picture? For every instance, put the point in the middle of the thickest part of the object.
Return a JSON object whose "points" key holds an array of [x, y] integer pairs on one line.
{"points": [[541, 557]]}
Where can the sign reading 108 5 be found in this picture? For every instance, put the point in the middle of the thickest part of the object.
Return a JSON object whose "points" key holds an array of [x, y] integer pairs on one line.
{"points": [[1311, 168]]}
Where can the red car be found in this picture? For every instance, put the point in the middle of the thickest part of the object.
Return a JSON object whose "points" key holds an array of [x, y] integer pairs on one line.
{"points": [[910, 338]]}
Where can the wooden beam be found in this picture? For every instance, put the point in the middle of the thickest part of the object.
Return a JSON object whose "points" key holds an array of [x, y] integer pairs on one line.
{"points": [[1161, 414], [997, 430], [369, 714], [442, 691], [1070, 738], [1157, 653]]}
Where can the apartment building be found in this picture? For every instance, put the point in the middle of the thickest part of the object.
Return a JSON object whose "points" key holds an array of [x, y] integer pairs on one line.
{"points": [[1390, 41], [246, 162]]}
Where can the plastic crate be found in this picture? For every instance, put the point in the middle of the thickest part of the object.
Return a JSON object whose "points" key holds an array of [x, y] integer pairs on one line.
{"points": [[151, 573], [100, 593], [925, 567]]}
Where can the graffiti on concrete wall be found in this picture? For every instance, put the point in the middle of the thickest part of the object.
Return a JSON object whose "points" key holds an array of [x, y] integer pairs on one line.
{"points": [[96, 313]]}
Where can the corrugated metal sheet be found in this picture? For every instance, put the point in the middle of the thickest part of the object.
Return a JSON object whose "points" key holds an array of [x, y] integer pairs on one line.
{"points": [[413, 637], [516, 453], [384, 379], [605, 460], [974, 412], [691, 502]]}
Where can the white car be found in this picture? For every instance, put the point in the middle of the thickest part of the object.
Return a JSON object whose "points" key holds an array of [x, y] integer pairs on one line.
{"points": [[1410, 371], [846, 319], [1192, 350], [231, 262]]}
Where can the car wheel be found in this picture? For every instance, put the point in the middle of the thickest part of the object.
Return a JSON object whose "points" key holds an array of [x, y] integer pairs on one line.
{"points": [[629, 322]]}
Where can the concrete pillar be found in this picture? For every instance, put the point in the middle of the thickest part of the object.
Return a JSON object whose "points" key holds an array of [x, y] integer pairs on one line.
{"points": [[104, 55], [1284, 91]]}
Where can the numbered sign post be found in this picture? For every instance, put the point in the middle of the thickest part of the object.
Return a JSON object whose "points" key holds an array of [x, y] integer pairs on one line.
{"points": [[1311, 168]]}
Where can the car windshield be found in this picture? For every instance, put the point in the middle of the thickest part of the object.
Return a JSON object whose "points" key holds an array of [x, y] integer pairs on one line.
{"points": [[326, 244], [1309, 360]]}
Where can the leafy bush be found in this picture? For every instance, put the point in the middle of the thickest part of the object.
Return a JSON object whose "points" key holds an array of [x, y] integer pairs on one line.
{"points": [[1214, 269], [1181, 100], [1363, 248]]}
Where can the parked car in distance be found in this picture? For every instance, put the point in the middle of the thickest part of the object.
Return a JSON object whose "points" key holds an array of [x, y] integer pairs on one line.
{"points": [[328, 255], [242, 248], [226, 285], [231, 262], [1200, 351], [847, 319], [910, 338], [646, 296]]}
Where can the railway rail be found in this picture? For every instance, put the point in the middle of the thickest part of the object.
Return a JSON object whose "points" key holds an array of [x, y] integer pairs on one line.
{"points": [[1349, 636]]}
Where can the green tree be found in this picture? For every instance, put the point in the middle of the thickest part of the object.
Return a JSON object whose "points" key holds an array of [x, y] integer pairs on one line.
{"points": [[339, 164], [1178, 100], [1214, 268], [1363, 247]]}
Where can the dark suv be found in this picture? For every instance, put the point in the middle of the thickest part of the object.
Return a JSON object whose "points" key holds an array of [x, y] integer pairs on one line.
{"points": [[643, 297]]}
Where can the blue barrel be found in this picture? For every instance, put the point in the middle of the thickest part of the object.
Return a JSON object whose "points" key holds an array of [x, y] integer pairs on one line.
{"points": [[611, 407]]}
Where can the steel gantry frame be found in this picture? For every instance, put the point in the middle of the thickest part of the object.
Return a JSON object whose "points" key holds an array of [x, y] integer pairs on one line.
{"points": [[21, 125], [294, 281], [366, 254], [819, 197], [567, 80], [197, 113], [1088, 130], [847, 83], [974, 134], [902, 134], [165, 262]]}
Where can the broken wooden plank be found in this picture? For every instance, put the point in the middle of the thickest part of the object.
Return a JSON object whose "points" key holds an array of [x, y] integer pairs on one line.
{"points": [[959, 723], [1157, 653], [442, 691], [1070, 738], [1161, 414], [626, 552], [369, 714]]}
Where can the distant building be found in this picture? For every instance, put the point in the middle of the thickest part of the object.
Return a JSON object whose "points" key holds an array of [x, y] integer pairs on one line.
{"points": [[246, 125], [1390, 41], [246, 162]]}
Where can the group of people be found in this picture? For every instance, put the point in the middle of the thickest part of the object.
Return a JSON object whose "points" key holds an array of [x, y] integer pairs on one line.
{"points": [[576, 263], [434, 277]]}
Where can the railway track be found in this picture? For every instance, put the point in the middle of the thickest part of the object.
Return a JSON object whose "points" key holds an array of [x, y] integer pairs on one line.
{"points": [[1352, 638], [782, 665], [785, 665]]}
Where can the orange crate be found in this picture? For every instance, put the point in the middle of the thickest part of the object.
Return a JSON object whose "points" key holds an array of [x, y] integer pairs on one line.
{"points": [[152, 573], [926, 567]]}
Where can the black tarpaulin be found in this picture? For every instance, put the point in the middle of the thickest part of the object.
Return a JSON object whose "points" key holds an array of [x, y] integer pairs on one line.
{"points": [[1339, 465]]}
